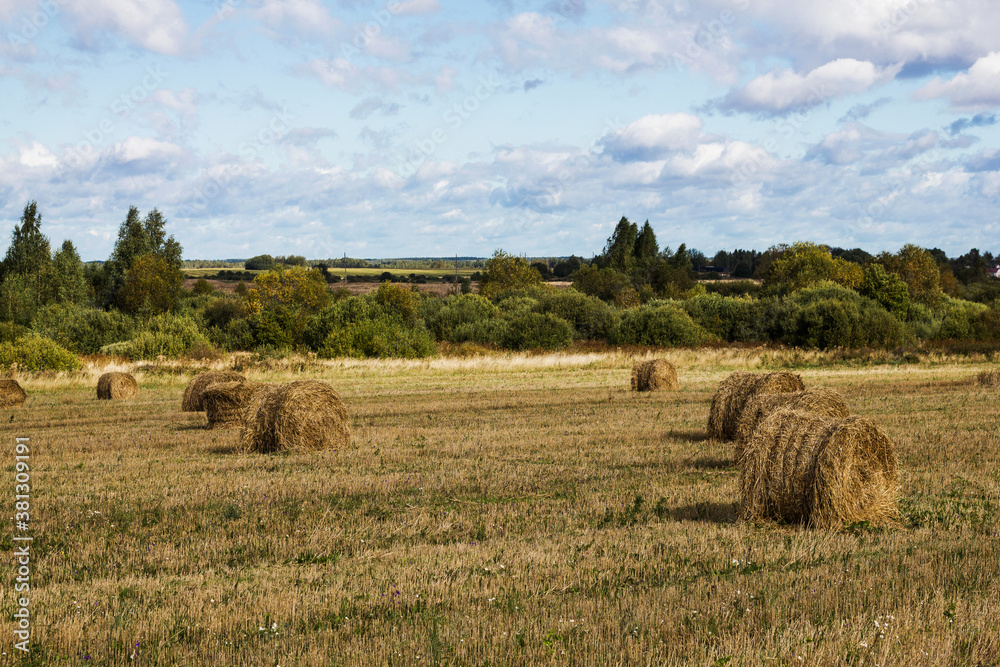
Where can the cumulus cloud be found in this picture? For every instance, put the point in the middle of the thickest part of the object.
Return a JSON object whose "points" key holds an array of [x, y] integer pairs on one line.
{"points": [[155, 25], [785, 91], [653, 136], [978, 88], [304, 17], [857, 142], [414, 7]]}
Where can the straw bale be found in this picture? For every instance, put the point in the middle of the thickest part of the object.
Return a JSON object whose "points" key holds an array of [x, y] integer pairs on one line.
{"points": [[734, 392], [988, 379], [653, 375], [192, 401], [11, 393], [819, 401], [225, 401], [116, 386], [302, 415]]}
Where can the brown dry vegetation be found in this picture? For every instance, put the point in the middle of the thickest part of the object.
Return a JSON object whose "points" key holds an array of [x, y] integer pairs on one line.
{"points": [[501, 510]]}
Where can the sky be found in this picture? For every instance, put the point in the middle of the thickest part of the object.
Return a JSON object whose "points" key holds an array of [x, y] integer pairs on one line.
{"points": [[438, 128]]}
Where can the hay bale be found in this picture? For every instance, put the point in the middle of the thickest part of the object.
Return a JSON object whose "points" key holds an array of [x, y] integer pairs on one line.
{"points": [[116, 386], [827, 473], [734, 392], [193, 395], [11, 393], [988, 379], [818, 401], [302, 415], [225, 401], [653, 375]]}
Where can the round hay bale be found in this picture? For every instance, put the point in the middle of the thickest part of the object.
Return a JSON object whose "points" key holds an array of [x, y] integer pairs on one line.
{"points": [[653, 375], [192, 401], [818, 401], [225, 401], [302, 415], [988, 379], [116, 386], [734, 392], [11, 393], [806, 468]]}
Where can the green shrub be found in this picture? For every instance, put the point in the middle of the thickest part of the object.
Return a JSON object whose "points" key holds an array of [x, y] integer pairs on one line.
{"points": [[829, 315], [527, 330], [728, 318], [37, 353], [591, 318], [381, 338], [443, 317], [659, 324], [733, 288], [84, 330], [485, 332], [9, 332], [961, 320], [887, 289], [202, 287], [514, 305], [164, 335]]}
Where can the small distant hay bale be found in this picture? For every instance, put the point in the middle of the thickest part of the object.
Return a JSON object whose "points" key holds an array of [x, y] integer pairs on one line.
{"points": [[806, 468], [116, 386], [818, 401], [225, 401], [734, 392], [11, 393], [988, 379], [653, 375], [302, 415], [193, 395]]}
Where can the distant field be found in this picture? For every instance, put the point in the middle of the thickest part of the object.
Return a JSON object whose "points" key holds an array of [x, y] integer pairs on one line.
{"points": [[210, 273], [505, 510]]}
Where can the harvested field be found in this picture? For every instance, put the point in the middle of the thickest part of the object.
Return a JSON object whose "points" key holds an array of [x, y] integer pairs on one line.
{"points": [[508, 510]]}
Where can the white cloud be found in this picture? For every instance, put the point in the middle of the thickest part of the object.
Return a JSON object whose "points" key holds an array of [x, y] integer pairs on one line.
{"points": [[785, 90], [978, 88], [155, 25], [37, 155], [654, 135], [305, 17], [412, 7]]}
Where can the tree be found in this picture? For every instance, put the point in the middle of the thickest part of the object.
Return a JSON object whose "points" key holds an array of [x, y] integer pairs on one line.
{"points": [[619, 253], [888, 289], [565, 267], [646, 248], [70, 284], [259, 263], [805, 264], [918, 269], [29, 251], [503, 272], [280, 302], [152, 286], [137, 238]]}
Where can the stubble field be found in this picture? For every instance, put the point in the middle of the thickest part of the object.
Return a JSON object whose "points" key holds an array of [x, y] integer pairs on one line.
{"points": [[503, 510]]}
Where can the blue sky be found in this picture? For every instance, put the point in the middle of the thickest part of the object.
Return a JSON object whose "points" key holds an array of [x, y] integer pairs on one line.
{"points": [[435, 128]]}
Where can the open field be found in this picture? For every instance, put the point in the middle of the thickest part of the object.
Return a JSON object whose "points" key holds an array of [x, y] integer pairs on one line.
{"points": [[503, 510]]}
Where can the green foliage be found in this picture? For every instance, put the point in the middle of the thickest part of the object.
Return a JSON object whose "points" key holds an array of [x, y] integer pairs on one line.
{"points": [[202, 287], [28, 253], [69, 282], [84, 330], [138, 238], [152, 286], [9, 332], [380, 338], [659, 324], [259, 263], [604, 283], [829, 315], [444, 316], [485, 332], [280, 303], [805, 264], [505, 272], [619, 252], [528, 330], [962, 320], [18, 299], [887, 289], [730, 318], [591, 318], [164, 335], [37, 353], [918, 269], [513, 305]]}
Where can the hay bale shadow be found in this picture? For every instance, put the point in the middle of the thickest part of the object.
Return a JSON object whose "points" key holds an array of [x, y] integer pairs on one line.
{"points": [[712, 463], [707, 512], [689, 436]]}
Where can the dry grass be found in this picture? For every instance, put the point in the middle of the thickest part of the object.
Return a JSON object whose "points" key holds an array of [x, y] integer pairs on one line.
{"points": [[657, 374], [802, 467], [988, 379], [510, 510], [736, 390], [11, 393], [818, 400], [305, 415], [193, 400], [116, 385]]}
